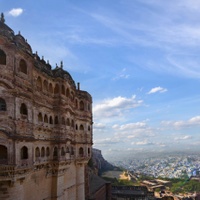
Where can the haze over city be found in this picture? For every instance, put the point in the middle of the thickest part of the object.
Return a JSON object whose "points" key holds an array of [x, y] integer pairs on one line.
{"points": [[138, 59]]}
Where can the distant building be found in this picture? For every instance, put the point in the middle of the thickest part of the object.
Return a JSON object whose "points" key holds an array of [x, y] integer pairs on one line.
{"points": [[99, 189], [157, 184], [45, 126], [131, 193]]}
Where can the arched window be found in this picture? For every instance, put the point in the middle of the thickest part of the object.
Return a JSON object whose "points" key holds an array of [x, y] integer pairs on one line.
{"points": [[23, 66], [88, 107], [56, 89], [88, 128], [24, 152], [50, 88], [40, 117], [37, 152], [55, 152], [76, 103], [68, 122], [42, 152], [72, 96], [76, 127], [81, 127], [2, 57], [56, 119], [50, 120], [39, 83], [67, 92], [72, 151], [63, 89], [88, 151], [81, 105], [72, 123], [3, 153], [23, 109], [47, 152], [45, 118], [63, 121], [2, 105], [62, 151], [81, 151], [45, 83]]}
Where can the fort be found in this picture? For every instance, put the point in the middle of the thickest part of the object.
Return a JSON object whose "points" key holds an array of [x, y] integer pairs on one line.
{"points": [[45, 126]]}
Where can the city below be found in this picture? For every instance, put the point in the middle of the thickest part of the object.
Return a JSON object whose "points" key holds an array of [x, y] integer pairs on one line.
{"points": [[172, 165]]}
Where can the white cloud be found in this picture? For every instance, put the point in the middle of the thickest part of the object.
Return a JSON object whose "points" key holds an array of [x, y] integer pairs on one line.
{"points": [[133, 130], [99, 126], [15, 12], [130, 126], [157, 89], [106, 141], [145, 142], [185, 137], [194, 121], [115, 107]]}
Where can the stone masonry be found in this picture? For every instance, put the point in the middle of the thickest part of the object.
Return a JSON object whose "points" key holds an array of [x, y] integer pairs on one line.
{"points": [[45, 126]]}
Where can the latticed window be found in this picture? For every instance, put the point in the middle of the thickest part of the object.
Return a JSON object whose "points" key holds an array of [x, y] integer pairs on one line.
{"points": [[2, 105]]}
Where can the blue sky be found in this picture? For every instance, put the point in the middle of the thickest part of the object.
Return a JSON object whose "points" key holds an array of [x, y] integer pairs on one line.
{"points": [[139, 59]]}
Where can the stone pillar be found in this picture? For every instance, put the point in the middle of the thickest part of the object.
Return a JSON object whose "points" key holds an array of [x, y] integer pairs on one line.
{"points": [[57, 186], [80, 181]]}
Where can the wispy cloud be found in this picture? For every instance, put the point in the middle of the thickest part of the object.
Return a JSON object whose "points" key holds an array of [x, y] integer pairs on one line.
{"points": [[115, 107], [185, 137], [122, 75], [15, 12], [99, 126], [144, 142], [157, 89], [194, 121]]}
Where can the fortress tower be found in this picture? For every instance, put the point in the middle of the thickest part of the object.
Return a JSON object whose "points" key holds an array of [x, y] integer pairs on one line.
{"points": [[45, 126]]}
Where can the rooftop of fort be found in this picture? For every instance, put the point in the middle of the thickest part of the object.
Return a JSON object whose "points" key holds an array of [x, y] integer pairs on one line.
{"points": [[21, 44]]}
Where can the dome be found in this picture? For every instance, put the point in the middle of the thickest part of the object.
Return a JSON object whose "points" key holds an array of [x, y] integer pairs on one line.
{"points": [[22, 43], [4, 29], [59, 72]]}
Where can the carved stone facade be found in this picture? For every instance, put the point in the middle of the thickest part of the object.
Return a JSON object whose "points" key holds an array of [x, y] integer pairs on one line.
{"points": [[45, 126]]}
